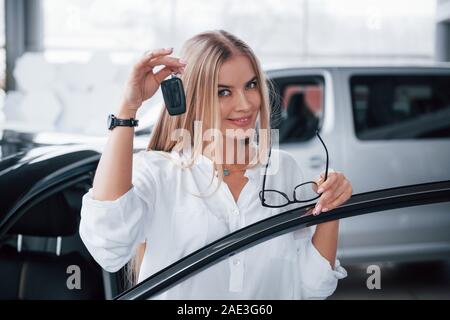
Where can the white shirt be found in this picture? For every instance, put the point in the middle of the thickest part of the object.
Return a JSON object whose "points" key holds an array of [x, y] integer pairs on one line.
{"points": [[160, 208]]}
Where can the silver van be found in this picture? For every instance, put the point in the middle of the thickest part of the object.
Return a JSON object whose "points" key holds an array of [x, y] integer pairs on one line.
{"points": [[383, 127]]}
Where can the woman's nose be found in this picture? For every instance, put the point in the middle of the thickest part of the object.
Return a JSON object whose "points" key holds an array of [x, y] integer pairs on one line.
{"points": [[243, 103]]}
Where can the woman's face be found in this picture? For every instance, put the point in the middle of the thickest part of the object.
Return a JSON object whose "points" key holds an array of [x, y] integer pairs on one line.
{"points": [[239, 95]]}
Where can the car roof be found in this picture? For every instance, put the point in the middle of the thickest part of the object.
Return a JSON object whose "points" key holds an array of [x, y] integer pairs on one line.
{"points": [[360, 66]]}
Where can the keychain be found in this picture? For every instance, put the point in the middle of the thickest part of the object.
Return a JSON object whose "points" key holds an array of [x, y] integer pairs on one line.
{"points": [[174, 96]]}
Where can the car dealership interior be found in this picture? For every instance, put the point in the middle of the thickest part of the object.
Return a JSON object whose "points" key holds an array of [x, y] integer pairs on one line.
{"points": [[357, 90]]}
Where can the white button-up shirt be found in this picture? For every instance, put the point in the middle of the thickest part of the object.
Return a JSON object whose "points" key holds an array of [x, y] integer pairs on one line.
{"points": [[162, 208]]}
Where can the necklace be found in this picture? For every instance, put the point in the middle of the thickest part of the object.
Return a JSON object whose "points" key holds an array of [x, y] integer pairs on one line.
{"points": [[227, 172]]}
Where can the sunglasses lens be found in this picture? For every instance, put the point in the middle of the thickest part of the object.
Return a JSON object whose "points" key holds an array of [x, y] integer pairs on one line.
{"points": [[273, 198], [306, 191]]}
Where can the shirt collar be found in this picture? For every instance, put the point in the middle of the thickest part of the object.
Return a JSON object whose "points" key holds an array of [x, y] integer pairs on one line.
{"points": [[205, 163]]}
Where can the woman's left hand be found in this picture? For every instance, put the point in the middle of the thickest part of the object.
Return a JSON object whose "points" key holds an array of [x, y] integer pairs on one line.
{"points": [[335, 191]]}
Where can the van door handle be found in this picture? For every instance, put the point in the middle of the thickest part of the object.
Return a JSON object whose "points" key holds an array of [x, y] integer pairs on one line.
{"points": [[316, 162]]}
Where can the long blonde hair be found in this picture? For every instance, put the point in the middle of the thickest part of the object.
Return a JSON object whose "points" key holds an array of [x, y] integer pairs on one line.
{"points": [[205, 53]]}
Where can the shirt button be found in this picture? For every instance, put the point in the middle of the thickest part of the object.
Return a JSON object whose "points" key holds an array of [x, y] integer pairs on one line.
{"points": [[235, 212], [236, 262]]}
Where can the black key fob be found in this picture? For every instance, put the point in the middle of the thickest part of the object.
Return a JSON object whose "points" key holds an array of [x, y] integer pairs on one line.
{"points": [[174, 97]]}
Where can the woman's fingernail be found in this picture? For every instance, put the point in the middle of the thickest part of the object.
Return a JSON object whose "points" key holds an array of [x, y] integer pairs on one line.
{"points": [[168, 49], [182, 61], [317, 209], [324, 209], [320, 190]]}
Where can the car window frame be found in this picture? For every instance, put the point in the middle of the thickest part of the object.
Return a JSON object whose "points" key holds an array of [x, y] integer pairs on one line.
{"points": [[81, 171], [290, 220], [282, 78]]}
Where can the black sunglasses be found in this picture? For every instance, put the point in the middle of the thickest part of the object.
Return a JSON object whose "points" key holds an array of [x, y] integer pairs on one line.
{"points": [[276, 196]]}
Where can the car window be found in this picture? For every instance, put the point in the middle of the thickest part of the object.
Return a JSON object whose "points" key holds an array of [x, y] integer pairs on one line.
{"points": [[383, 244], [405, 224], [44, 246], [268, 270], [397, 254], [401, 107], [299, 107]]}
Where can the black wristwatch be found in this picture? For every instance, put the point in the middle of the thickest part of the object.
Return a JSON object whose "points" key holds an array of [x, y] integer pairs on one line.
{"points": [[114, 122]]}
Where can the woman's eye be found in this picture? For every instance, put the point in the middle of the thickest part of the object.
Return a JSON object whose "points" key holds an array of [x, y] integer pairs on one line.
{"points": [[222, 93], [253, 84], [226, 93]]}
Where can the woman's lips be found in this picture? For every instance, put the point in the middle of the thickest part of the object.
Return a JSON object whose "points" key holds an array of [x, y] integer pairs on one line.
{"points": [[241, 122]]}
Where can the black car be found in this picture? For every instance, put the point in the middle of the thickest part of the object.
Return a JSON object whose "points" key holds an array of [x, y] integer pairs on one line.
{"points": [[42, 185]]}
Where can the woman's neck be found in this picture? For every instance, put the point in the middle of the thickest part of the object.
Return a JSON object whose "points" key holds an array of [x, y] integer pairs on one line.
{"points": [[236, 154]]}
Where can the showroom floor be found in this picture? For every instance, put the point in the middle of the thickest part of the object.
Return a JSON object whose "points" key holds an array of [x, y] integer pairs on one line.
{"points": [[427, 280]]}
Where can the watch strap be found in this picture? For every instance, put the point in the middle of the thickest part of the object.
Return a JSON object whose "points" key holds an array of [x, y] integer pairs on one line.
{"points": [[126, 122], [113, 122]]}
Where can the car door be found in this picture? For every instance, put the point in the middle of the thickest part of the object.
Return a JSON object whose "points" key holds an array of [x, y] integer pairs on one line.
{"points": [[279, 228], [399, 131], [39, 220]]}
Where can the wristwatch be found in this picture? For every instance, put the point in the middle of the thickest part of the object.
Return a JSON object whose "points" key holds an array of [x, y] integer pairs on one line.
{"points": [[114, 122]]}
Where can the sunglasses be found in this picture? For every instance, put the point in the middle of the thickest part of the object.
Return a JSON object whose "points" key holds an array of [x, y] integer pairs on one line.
{"points": [[276, 199]]}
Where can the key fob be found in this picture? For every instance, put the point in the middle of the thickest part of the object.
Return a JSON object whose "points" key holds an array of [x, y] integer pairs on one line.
{"points": [[174, 97]]}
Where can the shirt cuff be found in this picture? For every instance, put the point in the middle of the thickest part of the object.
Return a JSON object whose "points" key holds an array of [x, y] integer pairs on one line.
{"points": [[319, 279], [338, 272]]}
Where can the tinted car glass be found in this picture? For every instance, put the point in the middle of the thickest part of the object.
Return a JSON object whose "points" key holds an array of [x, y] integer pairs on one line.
{"points": [[401, 107], [299, 107]]}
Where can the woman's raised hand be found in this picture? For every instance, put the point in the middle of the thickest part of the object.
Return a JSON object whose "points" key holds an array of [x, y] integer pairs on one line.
{"points": [[143, 82]]}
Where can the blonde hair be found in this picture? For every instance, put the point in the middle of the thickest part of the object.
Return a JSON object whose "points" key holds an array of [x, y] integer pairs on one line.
{"points": [[205, 54]]}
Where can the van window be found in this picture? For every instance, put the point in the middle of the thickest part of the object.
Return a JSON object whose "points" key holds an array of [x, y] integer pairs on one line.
{"points": [[300, 108], [401, 107]]}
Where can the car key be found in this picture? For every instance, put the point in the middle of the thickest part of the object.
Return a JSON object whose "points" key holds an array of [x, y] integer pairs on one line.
{"points": [[174, 96]]}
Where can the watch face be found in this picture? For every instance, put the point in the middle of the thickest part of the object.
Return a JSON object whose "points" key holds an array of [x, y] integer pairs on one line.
{"points": [[110, 121]]}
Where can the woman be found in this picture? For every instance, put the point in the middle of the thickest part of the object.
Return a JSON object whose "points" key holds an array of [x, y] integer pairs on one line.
{"points": [[189, 189]]}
